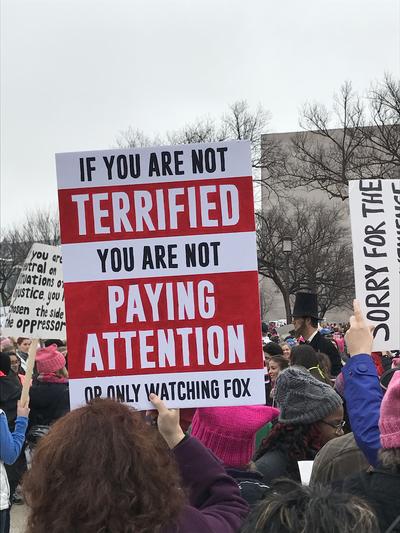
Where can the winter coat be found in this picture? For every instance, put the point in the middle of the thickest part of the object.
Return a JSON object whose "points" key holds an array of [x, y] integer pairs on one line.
{"points": [[320, 344], [48, 402], [274, 464], [10, 448], [381, 489], [251, 485], [363, 395], [215, 504]]}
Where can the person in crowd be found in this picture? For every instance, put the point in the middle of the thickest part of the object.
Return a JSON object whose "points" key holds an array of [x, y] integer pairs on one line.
{"points": [[10, 449], [10, 389], [6, 344], [22, 351], [286, 350], [305, 322], [305, 356], [230, 432], [293, 508], [272, 348], [276, 363], [264, 333], [49, 395], [338, 459], [379, 425], [101, 468], [10, 393], [381, 486], [361, 387], [311, 414], [15, 365]]}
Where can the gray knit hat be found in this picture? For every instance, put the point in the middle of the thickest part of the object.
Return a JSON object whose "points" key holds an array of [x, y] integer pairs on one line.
{"points": [[303, 399]]}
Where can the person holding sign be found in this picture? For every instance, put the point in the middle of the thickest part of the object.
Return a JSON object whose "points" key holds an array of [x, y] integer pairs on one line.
{"points": [[49, 396], [101, 468], [10, 449]]}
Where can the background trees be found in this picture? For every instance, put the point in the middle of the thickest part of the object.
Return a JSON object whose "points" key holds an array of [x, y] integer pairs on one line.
{"points": [[39, 226], [321, 259], [359, 137]]}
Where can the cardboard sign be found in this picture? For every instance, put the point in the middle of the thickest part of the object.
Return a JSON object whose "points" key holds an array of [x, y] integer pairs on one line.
{"points": [[160, 272], [375, 225], [37, 304]]}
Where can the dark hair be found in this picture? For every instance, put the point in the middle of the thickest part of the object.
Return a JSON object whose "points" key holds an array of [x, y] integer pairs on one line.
{"points": [[5, 363], [280, 360], [102, 468], [298, 442], [390, 459], [313, 321], [290, 508], [305, 355], [324, 363], [57, 342], [272, 348], [22, 339]]}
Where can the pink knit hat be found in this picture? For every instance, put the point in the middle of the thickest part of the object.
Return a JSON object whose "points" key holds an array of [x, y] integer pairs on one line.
{"points": [[389, 420], [229, 432], [49, 360]]}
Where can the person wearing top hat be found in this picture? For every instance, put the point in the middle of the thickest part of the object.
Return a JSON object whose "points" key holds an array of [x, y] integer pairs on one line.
{"points": [[305, 322]]}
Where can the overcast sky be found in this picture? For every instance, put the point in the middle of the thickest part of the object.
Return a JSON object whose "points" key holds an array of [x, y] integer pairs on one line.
{"points": [[74, 73]]}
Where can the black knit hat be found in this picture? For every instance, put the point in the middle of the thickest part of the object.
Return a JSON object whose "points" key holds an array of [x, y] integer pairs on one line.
{"points": [[306, 304]]}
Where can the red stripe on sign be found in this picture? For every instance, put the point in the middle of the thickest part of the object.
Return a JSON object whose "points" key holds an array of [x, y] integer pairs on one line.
{"points": [[151, 210], [194, 323]]}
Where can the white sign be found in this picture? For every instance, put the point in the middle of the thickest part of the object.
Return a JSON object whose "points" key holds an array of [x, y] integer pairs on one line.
{"points": [[160, 272], [375, 225], [37, 304]]}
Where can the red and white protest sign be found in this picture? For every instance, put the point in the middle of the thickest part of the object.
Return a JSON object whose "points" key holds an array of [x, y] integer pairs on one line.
{"points": [[160, 275]]}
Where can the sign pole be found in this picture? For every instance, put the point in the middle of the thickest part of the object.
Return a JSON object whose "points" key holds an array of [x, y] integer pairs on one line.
{"points": [[29, 370]]}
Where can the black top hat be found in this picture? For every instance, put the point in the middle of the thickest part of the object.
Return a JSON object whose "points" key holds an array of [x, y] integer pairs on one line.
{"points": [[306, 304]]}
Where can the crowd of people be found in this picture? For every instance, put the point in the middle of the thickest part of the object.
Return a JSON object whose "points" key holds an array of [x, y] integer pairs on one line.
{"points": [[106, 468]]}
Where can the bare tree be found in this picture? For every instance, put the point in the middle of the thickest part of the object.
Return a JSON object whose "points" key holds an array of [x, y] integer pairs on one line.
{"points": [[357, 138], [39, 226], [326, 155], [321, 259], [382, 135], [240, 122]]}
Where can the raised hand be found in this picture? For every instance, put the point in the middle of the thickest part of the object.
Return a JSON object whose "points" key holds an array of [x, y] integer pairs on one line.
{"points": [[167, 422], [359, 338]]}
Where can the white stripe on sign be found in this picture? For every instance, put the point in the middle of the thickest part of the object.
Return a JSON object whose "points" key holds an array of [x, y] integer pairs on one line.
{"points": [[110, 168], [159, 257], [375, 222], [195, 389]]}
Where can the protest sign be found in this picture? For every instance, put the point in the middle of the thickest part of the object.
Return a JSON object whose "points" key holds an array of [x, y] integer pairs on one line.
{"points": [[375, 225], [37, 303], [160, 273]]}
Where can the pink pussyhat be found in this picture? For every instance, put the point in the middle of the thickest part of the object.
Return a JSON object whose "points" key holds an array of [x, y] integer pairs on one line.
{"points": [[389, 419], [5, 343], [49, 360], [229, 432]]}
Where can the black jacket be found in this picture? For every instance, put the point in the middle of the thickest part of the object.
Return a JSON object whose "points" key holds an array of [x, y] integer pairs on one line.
{"points": [[251, 485], [320, 344], [381, 489], [10, 392], [275, 464], [48, 402]]}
